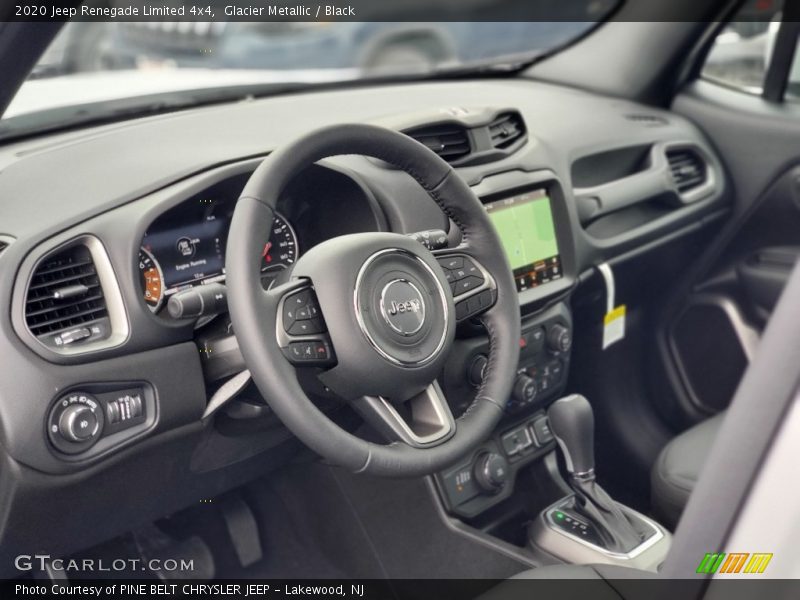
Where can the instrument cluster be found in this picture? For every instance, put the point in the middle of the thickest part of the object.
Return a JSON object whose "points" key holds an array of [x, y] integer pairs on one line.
{"points": [[185, 247]]}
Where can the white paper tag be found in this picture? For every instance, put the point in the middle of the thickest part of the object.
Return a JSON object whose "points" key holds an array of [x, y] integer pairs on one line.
{"points": [[614, 319]]}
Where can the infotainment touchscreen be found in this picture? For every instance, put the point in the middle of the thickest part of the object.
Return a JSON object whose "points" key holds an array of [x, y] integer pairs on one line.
{"points": [[526, 228]]}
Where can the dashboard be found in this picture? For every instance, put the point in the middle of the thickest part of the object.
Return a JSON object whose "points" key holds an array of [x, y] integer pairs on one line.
{"points": [[590, 180]]}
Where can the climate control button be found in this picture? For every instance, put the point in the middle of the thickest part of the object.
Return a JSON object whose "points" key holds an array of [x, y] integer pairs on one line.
{"points": [[525, 389]]}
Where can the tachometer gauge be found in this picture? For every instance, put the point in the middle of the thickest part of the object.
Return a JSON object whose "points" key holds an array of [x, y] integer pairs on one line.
{"points": [[152, 280], [280, 251]]}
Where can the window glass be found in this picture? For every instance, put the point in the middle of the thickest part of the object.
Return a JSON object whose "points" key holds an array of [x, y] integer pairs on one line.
{"points": [[742, 50]]}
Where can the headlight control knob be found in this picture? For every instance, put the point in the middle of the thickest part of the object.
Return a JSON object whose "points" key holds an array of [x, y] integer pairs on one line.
{"points": [[78, 423], [75, 422]]}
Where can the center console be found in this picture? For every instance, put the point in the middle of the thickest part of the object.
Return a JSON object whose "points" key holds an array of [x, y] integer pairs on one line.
{"points": [[510, 490], [487, 477]]}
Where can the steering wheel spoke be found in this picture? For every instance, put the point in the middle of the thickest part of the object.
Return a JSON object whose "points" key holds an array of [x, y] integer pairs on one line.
{"points": [[423, 421], [473, 288], [300, 328]]}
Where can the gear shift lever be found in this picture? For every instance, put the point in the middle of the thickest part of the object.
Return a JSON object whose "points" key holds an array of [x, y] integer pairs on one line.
{"points": [[572, 423]]}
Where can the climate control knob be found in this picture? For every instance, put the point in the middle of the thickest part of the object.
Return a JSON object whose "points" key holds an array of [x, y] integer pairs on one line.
{"points": [[491, 472], [559, 338], [524, 389]]}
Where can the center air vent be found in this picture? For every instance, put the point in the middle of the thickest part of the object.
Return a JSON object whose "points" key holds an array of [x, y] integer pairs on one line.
{"points": [[688, 169], [506, 129], [65, 294], [449, 141]]}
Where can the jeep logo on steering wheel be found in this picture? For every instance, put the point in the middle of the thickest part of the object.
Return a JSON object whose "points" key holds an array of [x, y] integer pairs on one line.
{"points": [[402, 307]]}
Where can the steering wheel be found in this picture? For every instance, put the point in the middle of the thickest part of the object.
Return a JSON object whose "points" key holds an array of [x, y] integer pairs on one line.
{"points": [[375, 312]]}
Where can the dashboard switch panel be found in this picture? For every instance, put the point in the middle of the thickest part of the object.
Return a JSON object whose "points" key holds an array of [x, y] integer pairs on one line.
{"points": [[124, 408], [99, 416]]}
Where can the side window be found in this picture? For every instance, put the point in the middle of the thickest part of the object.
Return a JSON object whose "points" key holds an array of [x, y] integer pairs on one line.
{"points": [[793, 87], [751, 46]]}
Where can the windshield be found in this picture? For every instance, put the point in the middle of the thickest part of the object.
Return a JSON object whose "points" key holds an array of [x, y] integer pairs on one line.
{"points": [[94, 63]]}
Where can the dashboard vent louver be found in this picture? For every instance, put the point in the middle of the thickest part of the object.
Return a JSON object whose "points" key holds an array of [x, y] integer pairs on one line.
{"points": [[451, 142], [688, 169], [64, 292], [506, 129]]}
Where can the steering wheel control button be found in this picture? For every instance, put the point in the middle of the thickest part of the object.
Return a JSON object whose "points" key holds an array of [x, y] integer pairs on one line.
{"points": [[468, 284], [403, 307], [301, 314], [296, 307], [452, 263], [307, 327], [474, 305], [309, 353], [75, 422]]}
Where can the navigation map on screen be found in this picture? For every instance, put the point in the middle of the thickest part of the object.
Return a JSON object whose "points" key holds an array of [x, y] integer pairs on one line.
{"points": [[526, 228]]}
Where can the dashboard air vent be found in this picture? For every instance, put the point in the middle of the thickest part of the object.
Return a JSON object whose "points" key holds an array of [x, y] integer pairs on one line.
{"points": [[449, 141], [64, 292], [688, 169], [506, 129]]}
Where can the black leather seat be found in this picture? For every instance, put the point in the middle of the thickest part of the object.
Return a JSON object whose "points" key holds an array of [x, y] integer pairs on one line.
{"points": [[678, 467]]}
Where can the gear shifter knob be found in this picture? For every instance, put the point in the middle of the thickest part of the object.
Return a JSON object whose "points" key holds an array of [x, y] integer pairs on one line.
{"points": [[572, 423]]}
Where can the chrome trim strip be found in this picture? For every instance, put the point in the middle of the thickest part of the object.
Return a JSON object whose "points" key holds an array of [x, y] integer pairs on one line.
{"points": [[428, 407]]}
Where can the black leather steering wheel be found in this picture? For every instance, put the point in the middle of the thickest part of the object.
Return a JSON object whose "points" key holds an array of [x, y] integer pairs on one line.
{"points": [[376, 312]]}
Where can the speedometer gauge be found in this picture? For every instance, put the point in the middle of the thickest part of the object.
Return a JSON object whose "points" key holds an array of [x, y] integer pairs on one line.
{"points": [[280, 251], [152, 280]]}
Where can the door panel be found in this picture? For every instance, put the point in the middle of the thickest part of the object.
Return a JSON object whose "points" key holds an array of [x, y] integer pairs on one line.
{"points": [[708, 332]]}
